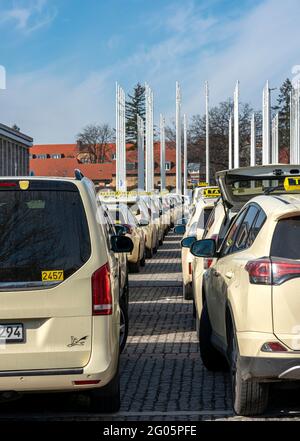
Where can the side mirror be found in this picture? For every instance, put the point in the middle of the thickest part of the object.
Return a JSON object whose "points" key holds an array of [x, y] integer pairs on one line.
{"points": [[204, 248], [160, 212], [143, 223], [180, 229], [120, 230], [187, 242], [121, 244]]}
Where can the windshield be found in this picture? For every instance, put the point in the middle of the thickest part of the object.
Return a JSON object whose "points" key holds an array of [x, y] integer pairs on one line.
{"points": [[41, 231]]}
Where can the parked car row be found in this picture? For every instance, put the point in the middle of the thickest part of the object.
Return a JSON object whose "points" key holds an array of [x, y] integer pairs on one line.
{"points": [[246, 279]]}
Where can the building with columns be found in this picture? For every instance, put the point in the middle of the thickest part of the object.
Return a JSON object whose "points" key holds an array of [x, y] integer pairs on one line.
{"points": [[14, 152]]}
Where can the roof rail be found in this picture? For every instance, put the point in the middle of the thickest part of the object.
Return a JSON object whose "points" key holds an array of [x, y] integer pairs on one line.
{"points": [[78, 174]]}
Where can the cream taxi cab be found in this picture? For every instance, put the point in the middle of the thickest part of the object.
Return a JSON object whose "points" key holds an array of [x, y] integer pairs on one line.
{"points": [[251, 314], [123, 216], [59, 283], [194, 231]]}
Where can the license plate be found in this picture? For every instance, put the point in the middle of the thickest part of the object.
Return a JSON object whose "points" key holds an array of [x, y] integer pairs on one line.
{"points": [[11, 333]]}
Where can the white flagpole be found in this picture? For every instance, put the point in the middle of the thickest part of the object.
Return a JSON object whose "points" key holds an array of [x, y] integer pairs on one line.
{"points": [[266, 125], [236, 126], [230, 143], [149, 140], [124, 141], [117, 137], [253, 142], [275, 140], [178, 140], [185, 188], [141, 153], [297, 123], [207, 174], [162, 154]]}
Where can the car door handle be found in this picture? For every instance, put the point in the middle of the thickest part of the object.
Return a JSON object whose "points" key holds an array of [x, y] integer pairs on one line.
{"points": [[229, 275]]}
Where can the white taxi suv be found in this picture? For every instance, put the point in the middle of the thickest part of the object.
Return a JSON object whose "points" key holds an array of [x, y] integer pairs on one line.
{"points": [[194, 231], [251, 312], [59, 287]]}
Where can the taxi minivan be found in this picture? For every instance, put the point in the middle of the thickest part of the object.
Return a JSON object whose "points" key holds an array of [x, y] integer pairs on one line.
{"points": [[59, 290], [250, 315]]}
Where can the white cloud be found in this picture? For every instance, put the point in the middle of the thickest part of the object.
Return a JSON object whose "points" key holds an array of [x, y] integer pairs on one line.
{"points": [[52, 108], [28, 16]]}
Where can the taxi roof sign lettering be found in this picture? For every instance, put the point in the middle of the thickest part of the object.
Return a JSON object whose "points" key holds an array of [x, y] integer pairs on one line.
{"points": [[211, 193]]}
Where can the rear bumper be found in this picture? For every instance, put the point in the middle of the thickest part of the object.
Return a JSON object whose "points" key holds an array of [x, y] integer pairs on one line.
{"points": [[269, 368], [101, 367]]}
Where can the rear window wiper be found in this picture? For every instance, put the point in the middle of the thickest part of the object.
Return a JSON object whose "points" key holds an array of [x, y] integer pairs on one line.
{"points": [[269, 190]]}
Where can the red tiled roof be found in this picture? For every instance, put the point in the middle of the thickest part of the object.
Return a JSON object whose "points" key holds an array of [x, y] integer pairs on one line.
{"points": [[65, 166]]}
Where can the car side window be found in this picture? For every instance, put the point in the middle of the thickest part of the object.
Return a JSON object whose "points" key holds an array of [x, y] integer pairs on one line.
{"points": [[256, 227], [209, 222], [241, 240], [230, 236]]}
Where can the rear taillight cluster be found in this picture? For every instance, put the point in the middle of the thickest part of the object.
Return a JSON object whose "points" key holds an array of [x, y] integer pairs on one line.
{"points": [[101, 292], [272, 271], [207, 262], [128, 228]]}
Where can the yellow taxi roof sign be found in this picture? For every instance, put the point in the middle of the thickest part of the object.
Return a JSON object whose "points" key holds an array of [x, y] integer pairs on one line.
{"points": [[202, 184], [211, 193], [292, 183]]}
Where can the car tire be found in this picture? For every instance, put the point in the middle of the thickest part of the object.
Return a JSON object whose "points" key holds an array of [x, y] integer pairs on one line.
{"points": [[143, 260], [249, 398], [124, 324], [187, 291], [134, 267], [106, 399], [212, 359], [194, 310], [125, 295], [149, 253]]}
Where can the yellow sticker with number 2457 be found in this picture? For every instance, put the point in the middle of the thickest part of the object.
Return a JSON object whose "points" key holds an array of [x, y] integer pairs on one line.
{"points": [[52, 276]]}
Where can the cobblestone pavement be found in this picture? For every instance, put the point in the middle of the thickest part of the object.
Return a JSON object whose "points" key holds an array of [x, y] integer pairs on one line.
{"points": [[162, 377]]}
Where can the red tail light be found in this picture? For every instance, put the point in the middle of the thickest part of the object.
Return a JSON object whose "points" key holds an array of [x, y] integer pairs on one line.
{"points": [[259, 271], [101, 291], [273, 347], [129, 228], [272, 271], [207, 262], [190, 268]]}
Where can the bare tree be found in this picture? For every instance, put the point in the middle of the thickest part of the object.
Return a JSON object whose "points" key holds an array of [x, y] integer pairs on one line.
{"points": [[94, 140]]}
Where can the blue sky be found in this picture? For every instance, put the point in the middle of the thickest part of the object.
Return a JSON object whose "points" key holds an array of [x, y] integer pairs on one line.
{"points": [[63, 57]]}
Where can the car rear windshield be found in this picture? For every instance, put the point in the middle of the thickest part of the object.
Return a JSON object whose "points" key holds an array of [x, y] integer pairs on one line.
{"points": [[242, 189], [286, 239], [41, 230]]}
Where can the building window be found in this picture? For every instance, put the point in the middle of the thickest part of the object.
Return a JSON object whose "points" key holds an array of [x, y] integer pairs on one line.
{"points": [[168, 166], [113, 156], [56, 156], [41, 156]]}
